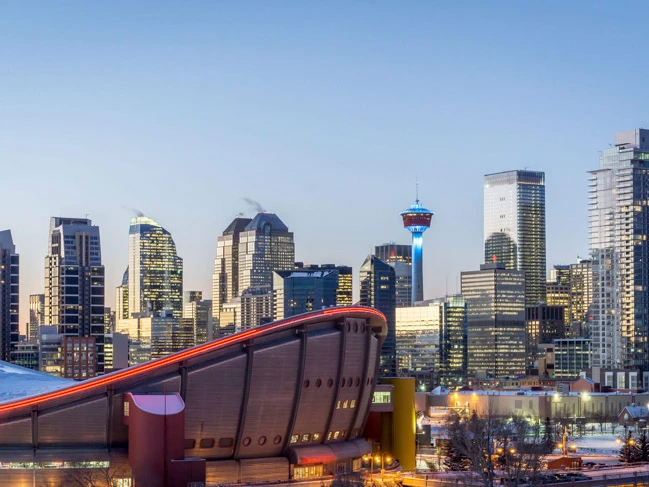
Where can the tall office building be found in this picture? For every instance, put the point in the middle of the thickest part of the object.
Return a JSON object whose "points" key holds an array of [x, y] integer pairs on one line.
{"points": [[9, 291], [431, 342], [399, 257], [514, 226], [225, 280], [416, 220], [558, 290], [265, 246], [581, 291], [36, 315], [197, 314], [74, 292], [619, 224], [544, 324], [418, 331], [155, 272], [377, 290], [306, 288], [495, 300], [121, 299], [453, 342]]}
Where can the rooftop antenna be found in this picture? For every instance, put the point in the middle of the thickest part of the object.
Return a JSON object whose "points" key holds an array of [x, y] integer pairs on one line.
{"points": [[416, 190]]}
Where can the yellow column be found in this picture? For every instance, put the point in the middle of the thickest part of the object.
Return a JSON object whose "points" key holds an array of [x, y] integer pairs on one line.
{"points": [[404, 423]]}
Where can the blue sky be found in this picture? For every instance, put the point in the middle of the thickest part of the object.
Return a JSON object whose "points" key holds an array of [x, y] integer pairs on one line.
{"points": [[325, 112]]}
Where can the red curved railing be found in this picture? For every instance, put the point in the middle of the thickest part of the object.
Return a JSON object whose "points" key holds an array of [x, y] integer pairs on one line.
{"points": [[137, 370]]}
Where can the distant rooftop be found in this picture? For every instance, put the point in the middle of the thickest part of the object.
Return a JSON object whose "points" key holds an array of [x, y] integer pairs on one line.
{"points": [[237, 225], [262, 219]]}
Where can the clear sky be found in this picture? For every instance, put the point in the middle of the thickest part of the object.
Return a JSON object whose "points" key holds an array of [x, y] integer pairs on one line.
{"points": [[325, 112]]}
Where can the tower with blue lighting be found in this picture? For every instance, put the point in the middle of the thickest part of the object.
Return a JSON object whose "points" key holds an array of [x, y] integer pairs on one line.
{"points": [[416, 219]]}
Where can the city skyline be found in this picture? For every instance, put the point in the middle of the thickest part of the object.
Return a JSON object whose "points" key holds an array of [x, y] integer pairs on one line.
{"points": [[185, 118]]}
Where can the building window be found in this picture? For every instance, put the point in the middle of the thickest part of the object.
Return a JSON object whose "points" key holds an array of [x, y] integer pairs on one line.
{"points": [[316, 436], [262, 440], [207, 443], [126, 406], [306, 437], [189, 443], [295, 439], [226, 442], [277, 440], [246, 441]]}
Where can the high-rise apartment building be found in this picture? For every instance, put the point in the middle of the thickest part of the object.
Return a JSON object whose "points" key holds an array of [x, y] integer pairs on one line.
{"points": [[377, 290], [265, 246], [514, 226], [400, 257], [74, 292], [36, 315], [495, 299], [619, 223], [155, 272], [9, 293], [307, 288]]}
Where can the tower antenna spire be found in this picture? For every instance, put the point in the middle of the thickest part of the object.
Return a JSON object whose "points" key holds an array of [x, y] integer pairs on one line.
{"points": [[416, 190]]}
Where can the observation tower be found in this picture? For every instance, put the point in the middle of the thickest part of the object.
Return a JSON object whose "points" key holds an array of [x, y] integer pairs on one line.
{"points": [[416, 220]]}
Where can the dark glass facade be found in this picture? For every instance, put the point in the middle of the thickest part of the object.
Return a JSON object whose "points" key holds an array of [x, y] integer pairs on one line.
{"points": [[9, 294], [495, 299], [544, 324], [400, 257], [377, 290]]}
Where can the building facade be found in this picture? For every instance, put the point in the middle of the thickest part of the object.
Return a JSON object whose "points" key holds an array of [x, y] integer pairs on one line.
{"points": [[9, 294], [495, 300], [377, 290], [265, 246], [514, 227], [197, 313], [400, 257], [225, 280], [544, 324], [418, 342], [36, 315], [619, 222], [571, 356], [74, 287], [309, 288], [155, 272]]}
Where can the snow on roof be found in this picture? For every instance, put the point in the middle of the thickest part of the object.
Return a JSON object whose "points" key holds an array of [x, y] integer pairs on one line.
{"points": [[636, 411], [18, 382]]}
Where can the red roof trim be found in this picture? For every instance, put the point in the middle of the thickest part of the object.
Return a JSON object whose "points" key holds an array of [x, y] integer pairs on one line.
{"points": [[141, 369]]}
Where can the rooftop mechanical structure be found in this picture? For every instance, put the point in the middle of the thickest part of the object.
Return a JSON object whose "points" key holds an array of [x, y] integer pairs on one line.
{"points": [[416, 220]]}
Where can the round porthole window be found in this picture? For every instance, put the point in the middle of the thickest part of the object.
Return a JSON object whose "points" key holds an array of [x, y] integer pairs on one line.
{"points": [[262, 440], [246, 441], [277, 440]]}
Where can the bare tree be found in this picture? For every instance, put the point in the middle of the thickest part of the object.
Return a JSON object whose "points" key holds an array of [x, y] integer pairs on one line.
{"points": [[89, 477], [514, 448]]}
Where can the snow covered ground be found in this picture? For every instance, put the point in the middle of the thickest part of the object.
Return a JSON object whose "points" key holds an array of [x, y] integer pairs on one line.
{"points": [[18, 382]]}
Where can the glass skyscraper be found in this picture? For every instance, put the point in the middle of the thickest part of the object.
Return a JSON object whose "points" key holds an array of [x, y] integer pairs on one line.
{"points": [[495, 300], [377, 286], [36, 315], [400, 257], [9, 294], [514, 227], [308, 288], [155, 272], [74, 292], [619, 224]]}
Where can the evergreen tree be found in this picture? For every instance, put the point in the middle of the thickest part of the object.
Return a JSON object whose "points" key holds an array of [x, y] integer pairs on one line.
{"points": [[628, 452], [641, 447], [455, 458], [548, 433]]}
